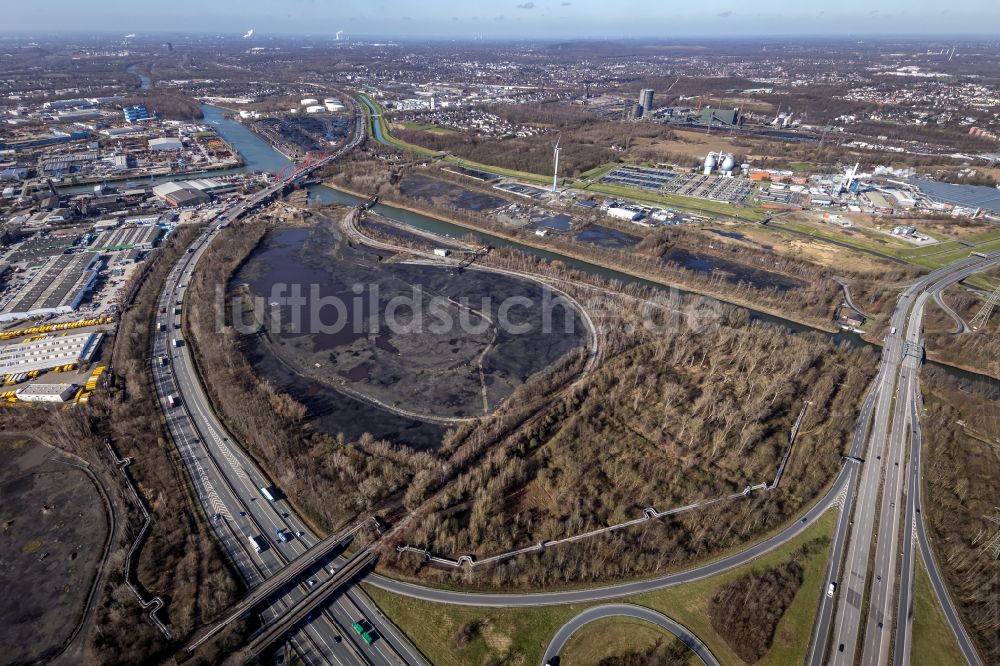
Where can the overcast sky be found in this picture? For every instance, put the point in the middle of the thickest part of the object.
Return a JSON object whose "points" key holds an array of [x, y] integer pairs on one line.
{"points": [[505, 18]]}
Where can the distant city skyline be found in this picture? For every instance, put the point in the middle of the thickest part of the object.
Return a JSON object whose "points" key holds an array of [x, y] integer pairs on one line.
{"points": [[506, 19]]}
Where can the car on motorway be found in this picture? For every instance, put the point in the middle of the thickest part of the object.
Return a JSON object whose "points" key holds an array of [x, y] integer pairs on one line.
{"points": [[830, 590], [281, 535]]}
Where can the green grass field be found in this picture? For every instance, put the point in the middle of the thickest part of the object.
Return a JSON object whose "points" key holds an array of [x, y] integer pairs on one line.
{"points": [[520, 635], [933, 642], [613, 637]]}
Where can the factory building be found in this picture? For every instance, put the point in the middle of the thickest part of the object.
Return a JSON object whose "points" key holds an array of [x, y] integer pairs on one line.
{"points": [[137, 113], [624, 214], [729, 117], [56, 288], [165, 143], [49, 352]]}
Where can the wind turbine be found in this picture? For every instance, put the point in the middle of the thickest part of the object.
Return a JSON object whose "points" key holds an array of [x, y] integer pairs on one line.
{"points": [[555, 173]]}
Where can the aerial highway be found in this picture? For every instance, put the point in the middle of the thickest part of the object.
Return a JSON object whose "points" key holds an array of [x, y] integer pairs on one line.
{"points": [[577, 622], [228, 483], [874, 511]]}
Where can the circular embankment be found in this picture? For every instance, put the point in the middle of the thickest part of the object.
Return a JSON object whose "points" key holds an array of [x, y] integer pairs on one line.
{"points": [[578, 622]]}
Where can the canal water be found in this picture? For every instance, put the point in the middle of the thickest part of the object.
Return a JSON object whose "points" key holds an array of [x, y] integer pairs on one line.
{"points": [[328, 195], [144, 81]]}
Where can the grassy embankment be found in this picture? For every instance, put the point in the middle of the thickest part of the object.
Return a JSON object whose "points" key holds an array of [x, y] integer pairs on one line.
{"points": [[523, 633], [933, 642], [614, 637]]}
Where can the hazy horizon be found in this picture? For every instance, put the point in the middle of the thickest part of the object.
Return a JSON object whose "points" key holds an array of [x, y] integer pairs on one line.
{"points": [[555, 20]]}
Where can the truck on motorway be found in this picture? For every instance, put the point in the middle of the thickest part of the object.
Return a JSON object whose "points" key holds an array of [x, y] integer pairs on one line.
{"points": [[981, 255], [258, 543], [267, 493], [178, 342], [367, 635], [172, 400]]}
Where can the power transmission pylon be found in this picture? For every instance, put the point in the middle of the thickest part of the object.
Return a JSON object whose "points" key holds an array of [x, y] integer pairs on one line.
{"points": [[983, 316]]}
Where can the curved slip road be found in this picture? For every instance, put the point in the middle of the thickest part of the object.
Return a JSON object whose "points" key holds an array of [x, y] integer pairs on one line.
{"points": [[626, 610]]}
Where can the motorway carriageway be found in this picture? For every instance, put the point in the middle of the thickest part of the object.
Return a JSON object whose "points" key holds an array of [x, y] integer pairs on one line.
{"points": [[227, 484]]}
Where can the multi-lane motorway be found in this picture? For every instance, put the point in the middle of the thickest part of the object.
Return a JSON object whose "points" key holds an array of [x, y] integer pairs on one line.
{"points": [[865, 597], [227, 482]]}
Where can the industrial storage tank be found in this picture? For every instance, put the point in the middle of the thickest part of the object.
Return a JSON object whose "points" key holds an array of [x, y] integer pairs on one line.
{"points": [[331, 100], [710, 163], [315, 108], [334, 106], [309, 101], [728, 164]]}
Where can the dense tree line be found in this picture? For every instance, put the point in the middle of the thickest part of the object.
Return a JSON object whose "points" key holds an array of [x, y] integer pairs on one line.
{"points": [[746, 611], [169, 105], [962, 479]]}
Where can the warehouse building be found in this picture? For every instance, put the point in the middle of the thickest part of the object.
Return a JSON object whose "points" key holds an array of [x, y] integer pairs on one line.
{"points": [[48, 353], [56, 288], [180, 195], [125, 238], [46, 392], [165, 143]]}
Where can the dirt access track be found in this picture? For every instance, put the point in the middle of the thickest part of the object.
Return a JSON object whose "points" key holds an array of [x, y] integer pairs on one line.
{"points": [[55, 527]]}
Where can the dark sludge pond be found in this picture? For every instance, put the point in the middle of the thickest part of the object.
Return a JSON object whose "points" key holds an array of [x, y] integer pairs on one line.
{"points": [[430, 190], [371, 343], [730, 271]]}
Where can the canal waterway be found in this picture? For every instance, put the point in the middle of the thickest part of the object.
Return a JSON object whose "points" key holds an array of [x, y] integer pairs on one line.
{"points": [[144, 81]]}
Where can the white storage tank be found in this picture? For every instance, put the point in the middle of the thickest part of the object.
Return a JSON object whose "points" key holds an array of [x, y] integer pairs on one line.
{"points": [[333, 107], [309, 101], [316, 108], [728, 164], [710, 163]]}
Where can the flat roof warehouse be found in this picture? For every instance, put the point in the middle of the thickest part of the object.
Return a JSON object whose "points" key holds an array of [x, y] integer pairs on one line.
{"points": [[58, 287], [49, 353]]}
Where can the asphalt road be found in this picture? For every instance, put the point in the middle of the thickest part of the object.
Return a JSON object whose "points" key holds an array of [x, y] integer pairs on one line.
{"points": [[625, 610], [227, 483], [960, 325], [877, 509]]}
